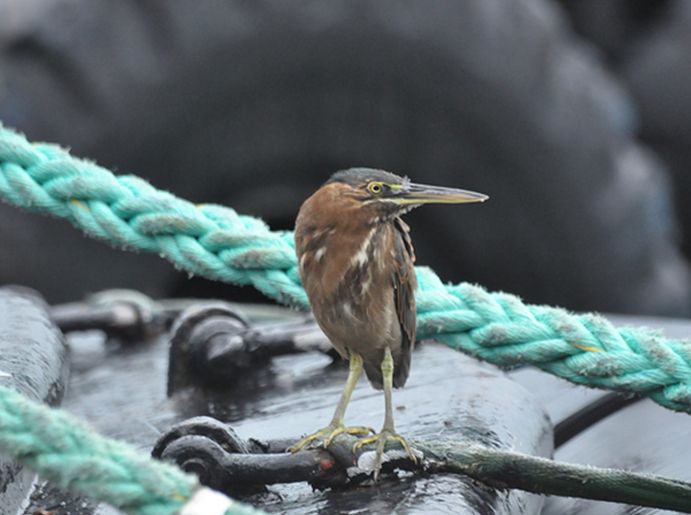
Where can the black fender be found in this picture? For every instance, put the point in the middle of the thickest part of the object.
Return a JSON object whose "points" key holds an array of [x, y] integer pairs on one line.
{"points": [[33, 361]]}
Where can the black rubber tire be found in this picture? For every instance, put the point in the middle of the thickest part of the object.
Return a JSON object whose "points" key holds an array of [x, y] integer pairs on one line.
{"points": [[240, 102], [659, 77], [33, 361]]}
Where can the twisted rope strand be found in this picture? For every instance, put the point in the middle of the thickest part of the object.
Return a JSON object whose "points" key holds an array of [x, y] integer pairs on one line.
{"points": [[70, 454], [217, 243]]}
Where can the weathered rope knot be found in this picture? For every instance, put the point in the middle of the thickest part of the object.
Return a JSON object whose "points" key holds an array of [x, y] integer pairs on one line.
{"points": [[217, 243]]}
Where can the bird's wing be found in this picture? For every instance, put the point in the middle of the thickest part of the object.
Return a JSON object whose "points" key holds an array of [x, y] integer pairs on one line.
{"points": [[404, 283]]}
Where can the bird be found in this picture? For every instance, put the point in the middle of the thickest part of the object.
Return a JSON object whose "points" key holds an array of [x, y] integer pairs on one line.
{"points": [[356, 263]]}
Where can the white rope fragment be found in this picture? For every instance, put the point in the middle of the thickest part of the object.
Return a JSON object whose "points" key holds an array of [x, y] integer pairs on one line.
{"points": [[206, 501]]}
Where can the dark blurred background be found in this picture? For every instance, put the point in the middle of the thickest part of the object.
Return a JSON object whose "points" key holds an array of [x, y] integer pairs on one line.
{"points": [[574, 116]]}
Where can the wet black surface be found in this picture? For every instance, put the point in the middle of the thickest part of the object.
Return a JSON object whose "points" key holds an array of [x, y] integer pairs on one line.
{"points": [[122, 392], [643, 438]]}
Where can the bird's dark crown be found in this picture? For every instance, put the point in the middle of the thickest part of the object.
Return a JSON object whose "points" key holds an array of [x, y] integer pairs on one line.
{"points": [[357, 176]]}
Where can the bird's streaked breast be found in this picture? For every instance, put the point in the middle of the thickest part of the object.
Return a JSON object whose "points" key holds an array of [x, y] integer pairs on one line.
{"points": [[346, 267]]}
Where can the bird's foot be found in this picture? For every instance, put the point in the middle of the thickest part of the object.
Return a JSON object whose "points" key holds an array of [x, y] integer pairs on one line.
{"points": [[381, 438], [351, 430], [327, 434]]}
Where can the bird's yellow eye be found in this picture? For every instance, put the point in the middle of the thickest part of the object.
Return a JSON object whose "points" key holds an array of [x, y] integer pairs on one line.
{"points": [[375, 188]]}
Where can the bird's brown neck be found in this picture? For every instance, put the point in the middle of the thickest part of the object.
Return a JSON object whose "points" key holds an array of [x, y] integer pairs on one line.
{"points": [[334, 235]]}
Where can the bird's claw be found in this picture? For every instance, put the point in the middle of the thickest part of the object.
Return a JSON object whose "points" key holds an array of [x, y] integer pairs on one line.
{"points": [[381, 438], [328, 434], [351, 430]]}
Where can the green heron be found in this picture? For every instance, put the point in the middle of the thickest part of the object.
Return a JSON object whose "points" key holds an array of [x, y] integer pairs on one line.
{"points": [[356, 264]]}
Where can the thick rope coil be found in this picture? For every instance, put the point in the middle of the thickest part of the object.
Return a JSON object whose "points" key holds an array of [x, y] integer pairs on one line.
{"points": [[217, 243], [65, 451]]}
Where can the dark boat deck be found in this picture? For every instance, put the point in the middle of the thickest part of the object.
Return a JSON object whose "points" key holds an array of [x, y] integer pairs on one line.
{"points": [[122, 392]]}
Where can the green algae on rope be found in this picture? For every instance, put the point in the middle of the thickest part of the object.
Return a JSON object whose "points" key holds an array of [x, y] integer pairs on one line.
{"points": [[217, 243]]}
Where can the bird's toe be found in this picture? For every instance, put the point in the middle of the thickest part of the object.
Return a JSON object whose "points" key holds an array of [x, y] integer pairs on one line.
{"points": [[381, 439], [327, 435]]}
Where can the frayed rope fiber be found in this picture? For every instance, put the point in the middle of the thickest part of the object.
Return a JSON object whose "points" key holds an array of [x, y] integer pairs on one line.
{"points": [[73, 456], [215, 242]]}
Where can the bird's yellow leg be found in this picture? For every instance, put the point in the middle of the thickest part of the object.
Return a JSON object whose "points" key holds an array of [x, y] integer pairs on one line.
{"points": [[337, 426], [388, 432]]}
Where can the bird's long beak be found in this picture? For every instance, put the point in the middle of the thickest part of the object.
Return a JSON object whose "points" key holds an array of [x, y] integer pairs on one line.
{"points": [[424, 194]]}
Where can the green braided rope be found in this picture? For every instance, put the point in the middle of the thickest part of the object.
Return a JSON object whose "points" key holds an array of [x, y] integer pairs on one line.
{"points": [[217, 243], [71, 455]]}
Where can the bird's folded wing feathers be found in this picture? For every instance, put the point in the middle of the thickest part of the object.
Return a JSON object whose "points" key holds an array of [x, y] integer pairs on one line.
{"points": [[404, 284]]}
